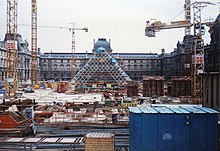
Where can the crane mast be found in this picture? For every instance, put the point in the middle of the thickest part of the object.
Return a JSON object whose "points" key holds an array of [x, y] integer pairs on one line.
{"points": [[188, 15], [73, 43], [11, 80], [73, 49], [187, 40], [198, 50], [34, 60]]}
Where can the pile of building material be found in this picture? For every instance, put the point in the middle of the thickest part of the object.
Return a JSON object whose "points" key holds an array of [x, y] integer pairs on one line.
{"points": [[153, 86], [13, 123], [99, 142], [181, 86], [132, 88]]}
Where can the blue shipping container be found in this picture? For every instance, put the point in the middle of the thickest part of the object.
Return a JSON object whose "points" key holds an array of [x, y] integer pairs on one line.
{"points": [[173, 129]]}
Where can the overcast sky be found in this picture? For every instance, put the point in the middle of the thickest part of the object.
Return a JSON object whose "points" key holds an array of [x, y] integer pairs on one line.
{"points": [[122, 21]]}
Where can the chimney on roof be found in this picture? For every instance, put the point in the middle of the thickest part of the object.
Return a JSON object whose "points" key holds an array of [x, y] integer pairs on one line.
{"points": [[162, 50]]}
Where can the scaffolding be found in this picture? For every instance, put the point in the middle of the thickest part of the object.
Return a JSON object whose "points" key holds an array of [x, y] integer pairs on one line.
{"points": [[102, 68]]}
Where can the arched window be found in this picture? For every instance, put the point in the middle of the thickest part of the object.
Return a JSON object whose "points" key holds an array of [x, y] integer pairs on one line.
{"points": [[129, 67], [62, 75], [68, 67], [141, 67], [55, 67], [147, 66], [44, 67], [61, 67], [135, 67]]}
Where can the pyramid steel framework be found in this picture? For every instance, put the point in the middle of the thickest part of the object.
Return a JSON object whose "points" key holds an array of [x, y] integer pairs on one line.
{"points": [[101, 67]]}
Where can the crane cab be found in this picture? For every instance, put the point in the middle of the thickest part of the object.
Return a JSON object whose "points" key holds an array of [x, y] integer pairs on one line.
{"points": [[149, 32]]}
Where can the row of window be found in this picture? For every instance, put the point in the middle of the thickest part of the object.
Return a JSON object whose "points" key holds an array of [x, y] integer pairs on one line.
{"points": [[141, 67], [126, 61], [141, 61], [85, 56], [55, 67], [63, 61], [126, 67], [20, 64]]}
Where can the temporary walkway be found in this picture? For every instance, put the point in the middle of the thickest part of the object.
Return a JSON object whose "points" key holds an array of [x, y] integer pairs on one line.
{"points": [[29, 142]]}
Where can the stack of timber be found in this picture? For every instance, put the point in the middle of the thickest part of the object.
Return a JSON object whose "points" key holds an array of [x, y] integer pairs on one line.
{"points": [[98, 141]]}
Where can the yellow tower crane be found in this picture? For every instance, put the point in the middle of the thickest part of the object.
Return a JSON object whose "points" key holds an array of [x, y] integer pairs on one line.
{"points": [[34, 27], [11, 79], [34, 52], [194, 55], [73, 48]]}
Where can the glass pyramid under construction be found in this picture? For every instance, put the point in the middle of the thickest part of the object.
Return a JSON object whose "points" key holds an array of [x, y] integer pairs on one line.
{"points": [[102, 68]]}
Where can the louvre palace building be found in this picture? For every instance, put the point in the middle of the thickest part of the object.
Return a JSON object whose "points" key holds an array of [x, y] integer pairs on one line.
{"points": [[57, 66]]}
